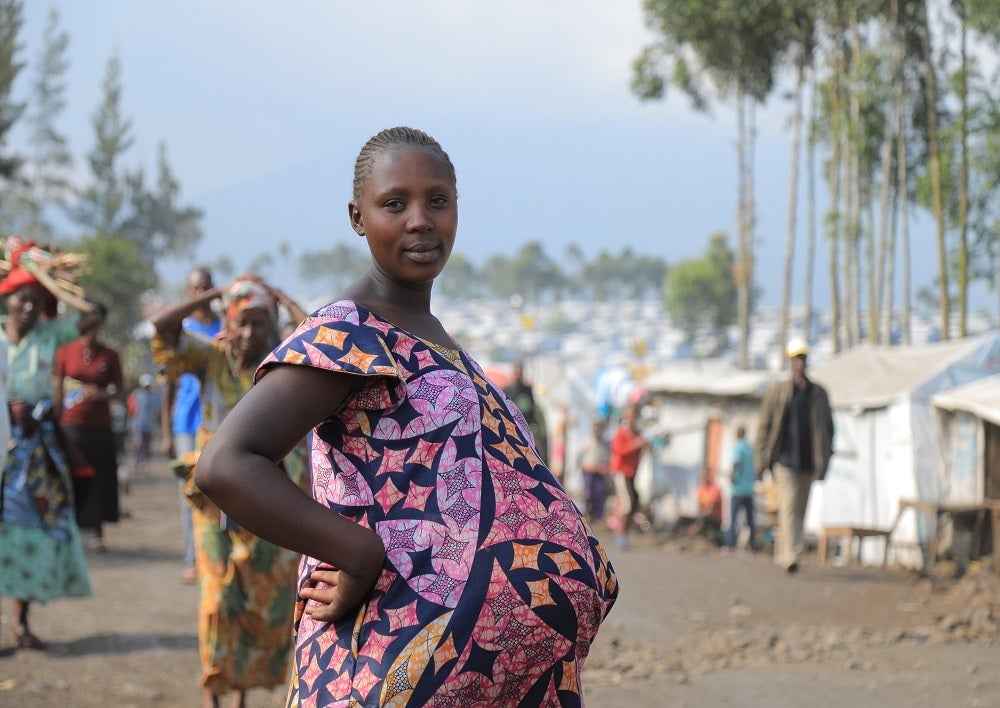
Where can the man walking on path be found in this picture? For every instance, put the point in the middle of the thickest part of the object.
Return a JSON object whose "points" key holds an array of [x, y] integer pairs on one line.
{"points": [[795, 442]]}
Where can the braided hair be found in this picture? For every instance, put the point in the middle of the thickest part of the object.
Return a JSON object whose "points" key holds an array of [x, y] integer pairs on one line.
{"points": [[390, 138]]}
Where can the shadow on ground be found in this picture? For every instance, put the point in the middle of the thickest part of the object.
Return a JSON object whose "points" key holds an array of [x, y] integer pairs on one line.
{"points": [[123, 644]]}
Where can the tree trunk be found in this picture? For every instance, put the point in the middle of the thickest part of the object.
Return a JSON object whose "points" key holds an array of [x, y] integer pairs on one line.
{"points": [[854, 136], [871, 262], [890, 269], [885, 189], [890, 192], [935, 168], [834, 214], [807, 281], [793, 204], [904, 221], [847, 232], [743, 276], [963, 192]]}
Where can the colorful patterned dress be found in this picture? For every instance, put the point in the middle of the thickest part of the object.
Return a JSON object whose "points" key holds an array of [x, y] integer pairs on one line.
{"points": [[41, 555], [493, 586], [246, 584]]}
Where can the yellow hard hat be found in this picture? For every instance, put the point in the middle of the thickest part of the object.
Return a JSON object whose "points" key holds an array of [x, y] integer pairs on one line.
{"points": [[797, 346]]}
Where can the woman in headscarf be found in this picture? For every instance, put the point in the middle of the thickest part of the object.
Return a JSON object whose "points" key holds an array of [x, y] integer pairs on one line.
{"points": [[41, 557], [247, 585]]}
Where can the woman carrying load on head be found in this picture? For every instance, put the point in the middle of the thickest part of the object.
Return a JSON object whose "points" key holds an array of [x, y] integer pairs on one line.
{"points": [[41, 556]]}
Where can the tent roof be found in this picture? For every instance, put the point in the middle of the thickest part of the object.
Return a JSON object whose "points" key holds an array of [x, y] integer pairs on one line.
{"points": [[981, 398], [710, 381], [874, 377]]}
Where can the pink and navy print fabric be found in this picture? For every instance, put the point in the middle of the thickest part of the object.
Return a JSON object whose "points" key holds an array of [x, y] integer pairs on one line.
{"points": [[493, 586]]}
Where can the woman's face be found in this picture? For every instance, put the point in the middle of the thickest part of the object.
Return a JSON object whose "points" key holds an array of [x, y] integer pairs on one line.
{"points": [[26, 305], [90, 322], [248, 332], [408, 211]]}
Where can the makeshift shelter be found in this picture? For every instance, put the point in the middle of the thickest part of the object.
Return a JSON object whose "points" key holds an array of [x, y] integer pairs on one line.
{"points": [[886, 443], [697, 408], [969, 427]]}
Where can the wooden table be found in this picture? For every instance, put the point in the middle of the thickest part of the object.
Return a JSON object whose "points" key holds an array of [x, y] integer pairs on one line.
{"points": [[849, 533], [989, 507]]}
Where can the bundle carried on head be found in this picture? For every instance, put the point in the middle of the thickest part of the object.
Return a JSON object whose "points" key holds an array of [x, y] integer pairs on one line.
{"points": [[28, 263]]}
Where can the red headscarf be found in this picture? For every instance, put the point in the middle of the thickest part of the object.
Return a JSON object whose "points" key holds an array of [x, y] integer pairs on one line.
{"points": [[19, 278]]}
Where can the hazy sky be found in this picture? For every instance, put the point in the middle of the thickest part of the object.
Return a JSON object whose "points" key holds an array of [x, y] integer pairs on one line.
{"points": [[263, 107]]}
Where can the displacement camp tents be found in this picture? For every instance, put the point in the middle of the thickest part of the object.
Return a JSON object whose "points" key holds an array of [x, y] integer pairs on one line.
{"points": [[887, 445], [698, 407], [969, 419]]}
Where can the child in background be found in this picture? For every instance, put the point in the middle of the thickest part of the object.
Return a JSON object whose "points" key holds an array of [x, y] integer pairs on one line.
{"points": [[709, 521]]}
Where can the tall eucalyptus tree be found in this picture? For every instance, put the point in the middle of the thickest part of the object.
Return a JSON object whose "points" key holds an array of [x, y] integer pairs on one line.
{"points": [[732, 47]]}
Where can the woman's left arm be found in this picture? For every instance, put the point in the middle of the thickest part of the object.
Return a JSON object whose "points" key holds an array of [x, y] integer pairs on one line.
{"points": [[296, 312], [238, 470]]}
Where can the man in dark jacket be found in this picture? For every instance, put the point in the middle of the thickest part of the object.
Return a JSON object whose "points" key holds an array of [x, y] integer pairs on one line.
{"points": [[795, 442], [520, 391]]}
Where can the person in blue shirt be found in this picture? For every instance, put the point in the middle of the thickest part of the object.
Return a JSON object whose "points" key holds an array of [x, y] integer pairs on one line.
{"points": [[181, 416], [741, 494]]}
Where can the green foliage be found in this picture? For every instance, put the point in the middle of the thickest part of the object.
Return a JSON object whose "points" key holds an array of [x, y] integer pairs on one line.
{"points": [[333, 269], [733, 45], [222, 268], [261, 264], [983, 17], [101, 208], [983, 135], [120, 277], [156, 222], [648, 82], [459, 281], [700, 293], [530, 273], [127, 225], [534, 273], [11, 21], [50, 159], [623, 275]]}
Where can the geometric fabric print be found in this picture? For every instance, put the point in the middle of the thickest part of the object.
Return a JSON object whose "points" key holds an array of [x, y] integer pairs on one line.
{"points": [[404, 673], [493, 586]]}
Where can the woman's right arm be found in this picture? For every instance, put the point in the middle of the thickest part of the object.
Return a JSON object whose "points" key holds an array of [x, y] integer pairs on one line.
{"points": [[169, 321], [238, 470]]}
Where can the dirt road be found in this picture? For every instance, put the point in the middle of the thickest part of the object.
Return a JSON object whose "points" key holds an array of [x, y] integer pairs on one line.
{"points": [[691, 628]]}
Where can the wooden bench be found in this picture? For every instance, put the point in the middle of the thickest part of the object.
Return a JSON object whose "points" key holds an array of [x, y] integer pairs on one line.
{"points": [[849, 533], [987, 514]]}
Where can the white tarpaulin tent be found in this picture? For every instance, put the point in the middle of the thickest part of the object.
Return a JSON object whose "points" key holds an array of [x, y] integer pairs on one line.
{"points": [[886, 444], [687, 397], [970, 435]]}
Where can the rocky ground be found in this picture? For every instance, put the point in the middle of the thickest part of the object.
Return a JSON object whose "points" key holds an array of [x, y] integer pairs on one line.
{"points": [[691, 628]]}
